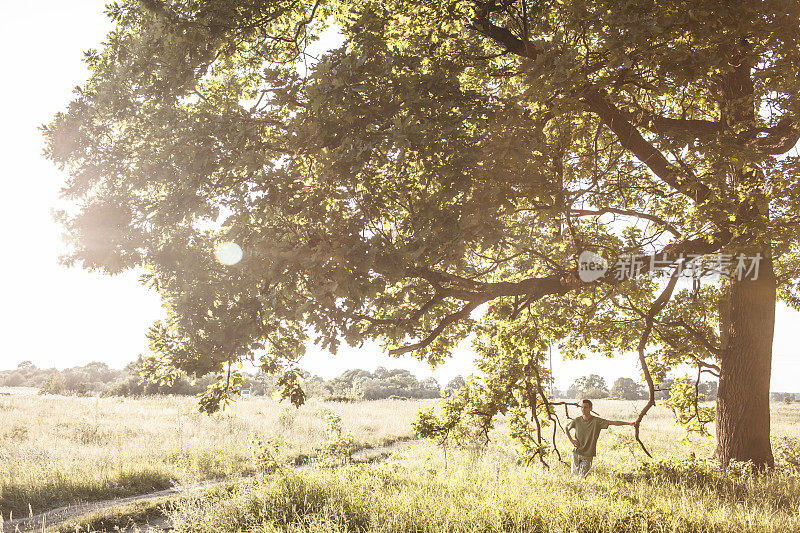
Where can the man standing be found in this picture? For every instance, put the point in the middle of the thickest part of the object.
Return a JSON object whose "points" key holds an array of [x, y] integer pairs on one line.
{"points": [[587, 430]]}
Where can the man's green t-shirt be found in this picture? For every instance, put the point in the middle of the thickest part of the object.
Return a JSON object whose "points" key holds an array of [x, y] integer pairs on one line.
{"points": [[586, 433]]}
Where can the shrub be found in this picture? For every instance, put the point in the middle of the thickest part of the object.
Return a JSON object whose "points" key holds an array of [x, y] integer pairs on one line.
{"points": [[88, 433], [287, 417], [55, 384], [18, 433], [339, 446], [265, 454], [787, 453]]}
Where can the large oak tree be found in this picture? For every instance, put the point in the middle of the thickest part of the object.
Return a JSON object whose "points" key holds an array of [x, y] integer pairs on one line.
{"points": [[445, 155]]}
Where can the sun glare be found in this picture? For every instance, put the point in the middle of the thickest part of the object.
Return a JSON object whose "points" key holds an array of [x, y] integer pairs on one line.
{"points": [[229, 253]]}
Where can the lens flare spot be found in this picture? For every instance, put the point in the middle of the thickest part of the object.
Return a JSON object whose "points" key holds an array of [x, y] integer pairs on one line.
{"points": [[229, 253]]}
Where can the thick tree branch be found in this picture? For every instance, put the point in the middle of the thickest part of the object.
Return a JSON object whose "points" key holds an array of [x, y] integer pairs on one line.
{"points": [[536, 288], [446, 321], [502, 36], [649, 318], [630, 139], [710, 346], [628, 136], [551, 413], [780, 139], [664, 125], [675, 345], [673, 126]]}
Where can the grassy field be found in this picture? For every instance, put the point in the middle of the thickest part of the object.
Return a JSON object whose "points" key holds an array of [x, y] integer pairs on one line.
{"points": [[417, 491], [58, 450]]}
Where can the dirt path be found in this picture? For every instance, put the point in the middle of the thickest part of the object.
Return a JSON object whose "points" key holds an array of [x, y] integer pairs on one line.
{"points": [[61, 514], [57, 516]]}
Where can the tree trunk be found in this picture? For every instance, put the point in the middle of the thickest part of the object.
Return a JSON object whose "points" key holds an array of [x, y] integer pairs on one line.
{"points": [[742, 422]]}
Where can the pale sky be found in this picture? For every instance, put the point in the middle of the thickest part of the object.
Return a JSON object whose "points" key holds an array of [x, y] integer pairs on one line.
{"points": [[58, 317]]}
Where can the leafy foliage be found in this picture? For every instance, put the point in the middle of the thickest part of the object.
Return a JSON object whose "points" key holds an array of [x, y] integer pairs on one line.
{"points": [[266, 453], [338, 447], [787, 453], [685, 401], [426, 168], [591, 387], [452, 427], [454, 384], [627, 389]]}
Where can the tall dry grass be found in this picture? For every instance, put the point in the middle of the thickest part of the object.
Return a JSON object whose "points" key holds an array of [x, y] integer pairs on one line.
{"points": [[488, 491], [59, 450], [56, 450]]}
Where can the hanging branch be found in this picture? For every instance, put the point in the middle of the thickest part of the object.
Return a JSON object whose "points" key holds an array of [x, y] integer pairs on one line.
{"points": [[649, 318], [532, 401], [550, 410], [696, 400]]}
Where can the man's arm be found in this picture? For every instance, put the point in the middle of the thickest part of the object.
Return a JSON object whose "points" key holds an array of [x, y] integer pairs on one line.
{"points": [[620, 423], [570, 437]]}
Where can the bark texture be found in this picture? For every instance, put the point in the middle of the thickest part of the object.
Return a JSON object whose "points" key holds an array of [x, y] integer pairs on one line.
{"points": [[742, 421]]}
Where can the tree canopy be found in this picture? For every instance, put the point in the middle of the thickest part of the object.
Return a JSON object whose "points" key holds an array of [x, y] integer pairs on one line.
{"points": [[590, 387], [445, 156], [627, 389]]}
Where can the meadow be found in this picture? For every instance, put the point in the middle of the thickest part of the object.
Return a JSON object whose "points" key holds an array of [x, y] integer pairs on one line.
{"points": [[420, 489], [58, 450], [55, 450]]}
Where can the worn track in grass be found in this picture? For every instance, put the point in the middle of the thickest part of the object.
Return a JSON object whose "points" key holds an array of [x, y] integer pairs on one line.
{"points": [[54, 517]]}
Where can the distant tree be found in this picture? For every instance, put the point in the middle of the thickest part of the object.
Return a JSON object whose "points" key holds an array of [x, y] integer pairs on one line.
{"points": [[381, 384], [55, 384], [383, 373], [25, 375], [313, 385], [12, 379], [627, 389], [594, 393], [454, 384], [99, 372], [347, 384], [591, 386], [573, 392], [430, 384]]}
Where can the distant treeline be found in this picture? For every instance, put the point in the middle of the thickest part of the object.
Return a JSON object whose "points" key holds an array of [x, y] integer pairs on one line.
{"points": [[98, 379], [787, 397], [594, 387]]}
